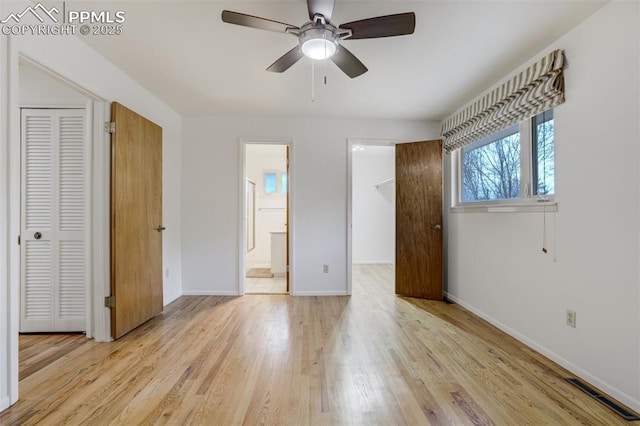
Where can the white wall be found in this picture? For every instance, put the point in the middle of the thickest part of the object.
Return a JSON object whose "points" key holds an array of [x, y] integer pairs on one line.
{"points": [[373, 208], [37, 89], [271, 213], [69, 57], [495, 263], [318, 199]]}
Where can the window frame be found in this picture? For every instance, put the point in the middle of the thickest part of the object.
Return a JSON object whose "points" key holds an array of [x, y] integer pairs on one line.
{"points": [[528, 201]]}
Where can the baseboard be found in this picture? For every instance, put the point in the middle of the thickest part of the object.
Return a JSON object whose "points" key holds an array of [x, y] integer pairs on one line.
{"points": [[320, 293], [210, 293], [4, 403], [586, 376]]}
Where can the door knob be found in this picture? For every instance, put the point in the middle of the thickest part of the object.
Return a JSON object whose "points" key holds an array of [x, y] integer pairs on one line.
{"points": [[436, 227], [37, 235], [160, 228]]}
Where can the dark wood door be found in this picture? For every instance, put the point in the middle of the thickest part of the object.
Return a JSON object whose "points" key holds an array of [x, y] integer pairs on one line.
{"points": [[136, 220], [419, 219]]}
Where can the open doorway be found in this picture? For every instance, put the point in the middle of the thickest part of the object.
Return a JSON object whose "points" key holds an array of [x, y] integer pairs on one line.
{"points": [[372, 207], [266, 208]]}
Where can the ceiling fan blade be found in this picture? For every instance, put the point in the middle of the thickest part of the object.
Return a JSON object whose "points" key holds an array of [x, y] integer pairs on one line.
{"points": [[255, 22], [287, 60], [382, 26], [348, 63], [323, 7]]}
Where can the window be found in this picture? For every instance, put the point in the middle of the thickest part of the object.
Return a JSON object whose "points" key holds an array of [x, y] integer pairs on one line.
{"points": [[516, 163], [270, 183], [275, 182]]}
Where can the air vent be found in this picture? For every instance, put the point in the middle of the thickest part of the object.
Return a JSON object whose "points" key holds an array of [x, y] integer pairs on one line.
{"points": [[603, 399]]}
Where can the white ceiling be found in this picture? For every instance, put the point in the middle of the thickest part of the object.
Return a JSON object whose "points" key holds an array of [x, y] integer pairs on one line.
{"points": [[198, 65]]}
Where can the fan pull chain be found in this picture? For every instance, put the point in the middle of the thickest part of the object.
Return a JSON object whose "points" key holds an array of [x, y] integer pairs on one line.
{"points": [[313, 84], [325, 71], [325, 60]]}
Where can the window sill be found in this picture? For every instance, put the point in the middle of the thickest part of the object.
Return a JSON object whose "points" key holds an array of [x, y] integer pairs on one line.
{"points": [[520, 207]]}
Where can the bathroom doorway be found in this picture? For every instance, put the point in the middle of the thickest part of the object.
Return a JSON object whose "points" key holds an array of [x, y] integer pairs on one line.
{"points": [[266, 208]]}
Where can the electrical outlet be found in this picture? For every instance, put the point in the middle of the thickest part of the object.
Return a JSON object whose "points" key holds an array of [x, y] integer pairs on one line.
{"points": [[325, 269], [571, 318]]}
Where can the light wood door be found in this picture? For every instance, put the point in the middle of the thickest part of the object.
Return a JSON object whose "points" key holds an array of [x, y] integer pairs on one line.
{"points": [[419, 219], [136, 220], [53, 250]]}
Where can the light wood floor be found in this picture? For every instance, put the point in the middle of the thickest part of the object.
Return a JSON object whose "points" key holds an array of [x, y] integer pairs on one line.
{"points": [[275, 285], [369, 359]]}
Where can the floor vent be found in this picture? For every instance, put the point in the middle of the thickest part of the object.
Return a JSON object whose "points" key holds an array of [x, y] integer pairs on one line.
{"points": [[621, 411]]}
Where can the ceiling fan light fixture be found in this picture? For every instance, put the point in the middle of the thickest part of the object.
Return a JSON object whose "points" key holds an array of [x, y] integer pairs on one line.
{"points": [[318, 48], [318, 42]]}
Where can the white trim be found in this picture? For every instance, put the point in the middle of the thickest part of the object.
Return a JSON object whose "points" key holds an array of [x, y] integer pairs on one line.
{"points": [[88, 219], [617, 394], [14, 216], [349, 266], [210, 293], [242, 237], [8, 382], [242, 228], [322, 293], [53, 104], [350, 144], [101, 222], [505, 207]]}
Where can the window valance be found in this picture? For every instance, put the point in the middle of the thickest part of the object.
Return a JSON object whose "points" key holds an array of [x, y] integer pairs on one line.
{"points": [[537, 88]]}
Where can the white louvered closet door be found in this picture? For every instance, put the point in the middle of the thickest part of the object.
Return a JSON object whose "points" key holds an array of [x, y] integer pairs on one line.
{"points": [[53, 250]]}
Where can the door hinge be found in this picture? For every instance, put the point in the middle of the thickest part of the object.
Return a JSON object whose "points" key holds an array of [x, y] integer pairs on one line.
{"points": [[110, 302], [287, 268], [19, 240], [110, 127]]}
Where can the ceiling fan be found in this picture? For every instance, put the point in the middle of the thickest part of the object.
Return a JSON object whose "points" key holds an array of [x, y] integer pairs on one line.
{"points": [[320, 39]]}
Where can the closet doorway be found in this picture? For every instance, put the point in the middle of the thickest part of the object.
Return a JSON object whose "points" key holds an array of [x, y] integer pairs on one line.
{"points": [[266, 218], [373, 219]]}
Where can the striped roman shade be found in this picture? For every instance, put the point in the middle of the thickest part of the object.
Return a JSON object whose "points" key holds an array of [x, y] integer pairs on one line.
{"points": [[537, 88]]}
